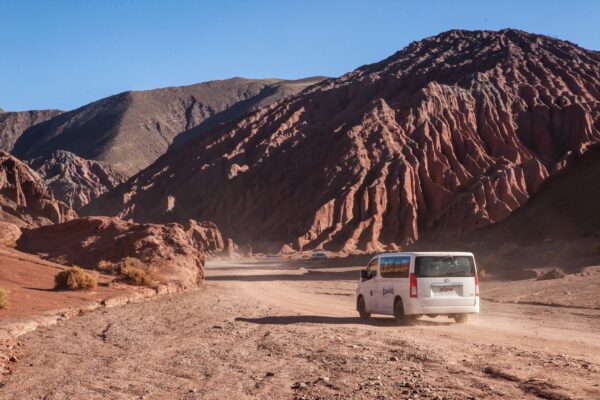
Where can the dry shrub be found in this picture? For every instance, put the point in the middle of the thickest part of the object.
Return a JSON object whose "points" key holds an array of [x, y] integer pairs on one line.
{"points": [[108, 267], [554, 273], [76, 278], [135, 272], [3, 299]]}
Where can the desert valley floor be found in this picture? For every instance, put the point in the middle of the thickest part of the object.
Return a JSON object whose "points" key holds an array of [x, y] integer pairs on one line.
{"points": [[276, 328]]}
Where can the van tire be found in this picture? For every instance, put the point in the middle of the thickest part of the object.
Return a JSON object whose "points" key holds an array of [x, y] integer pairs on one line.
{"points": [[399, 315], [461, 318], [362, 308]]}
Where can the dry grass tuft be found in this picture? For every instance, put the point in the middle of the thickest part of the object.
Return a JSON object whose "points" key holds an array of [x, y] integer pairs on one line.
{"points": [[76, 278], [4, 303], [135, 272]]}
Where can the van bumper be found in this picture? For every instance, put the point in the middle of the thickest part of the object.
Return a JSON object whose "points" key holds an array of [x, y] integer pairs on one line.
{"points": [[413, 308]]}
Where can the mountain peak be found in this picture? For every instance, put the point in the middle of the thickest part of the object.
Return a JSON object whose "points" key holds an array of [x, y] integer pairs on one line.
{"points": [[452, 133]]}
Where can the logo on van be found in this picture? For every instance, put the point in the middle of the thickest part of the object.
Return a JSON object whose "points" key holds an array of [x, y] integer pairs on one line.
{"points": [[446, 280], [388, 290]]}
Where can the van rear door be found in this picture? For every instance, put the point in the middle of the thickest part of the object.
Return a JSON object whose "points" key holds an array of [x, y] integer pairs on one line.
{"points": [[446, 280]]}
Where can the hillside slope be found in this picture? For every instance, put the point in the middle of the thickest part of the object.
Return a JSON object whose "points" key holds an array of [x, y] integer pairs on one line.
{"points": [[13, 124], [452, 133], [131, 130]]}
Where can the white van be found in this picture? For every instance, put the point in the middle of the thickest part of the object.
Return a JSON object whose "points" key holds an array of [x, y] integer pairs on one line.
{"points": [[407, 285]]}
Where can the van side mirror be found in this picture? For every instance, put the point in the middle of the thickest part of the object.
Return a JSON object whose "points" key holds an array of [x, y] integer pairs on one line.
{"points": [[363, 274]]}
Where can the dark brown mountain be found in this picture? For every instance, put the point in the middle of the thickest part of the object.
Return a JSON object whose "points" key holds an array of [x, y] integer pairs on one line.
{"points": [[13, 124], [74, 180], [24, 198], [131, 130], [452, 133]]}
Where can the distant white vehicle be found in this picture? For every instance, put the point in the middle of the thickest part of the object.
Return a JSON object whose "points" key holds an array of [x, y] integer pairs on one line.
{"points": [[318, 255], [407, 285]]}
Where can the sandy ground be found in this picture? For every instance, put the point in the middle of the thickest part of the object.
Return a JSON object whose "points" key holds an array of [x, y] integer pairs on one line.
{"points": [[30, 283], [280, 329]]}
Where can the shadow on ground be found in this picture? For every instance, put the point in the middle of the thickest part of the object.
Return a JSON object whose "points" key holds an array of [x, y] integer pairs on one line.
{"points": [[320, 319], [308, 276]]}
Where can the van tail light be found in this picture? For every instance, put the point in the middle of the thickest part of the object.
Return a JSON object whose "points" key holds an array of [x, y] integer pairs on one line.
{"points": [[476, 285], [413, 285]]}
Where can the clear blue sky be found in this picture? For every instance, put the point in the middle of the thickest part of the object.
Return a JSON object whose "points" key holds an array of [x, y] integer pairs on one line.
{"points": [[64, 54]]}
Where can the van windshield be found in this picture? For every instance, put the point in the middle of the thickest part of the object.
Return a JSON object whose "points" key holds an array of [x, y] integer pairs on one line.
{"points": [[446, 266]]}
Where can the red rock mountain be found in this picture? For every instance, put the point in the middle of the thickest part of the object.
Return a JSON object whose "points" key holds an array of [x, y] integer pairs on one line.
{"points": [[13, 124], [74, 180], [452, 133], [128, 131], [24, 198]]}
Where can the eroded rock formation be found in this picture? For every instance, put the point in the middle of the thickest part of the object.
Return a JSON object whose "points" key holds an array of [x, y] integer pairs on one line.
{"points": [[452, 133], [206, 236], [92, 242], [74, 180], [24, 198]]}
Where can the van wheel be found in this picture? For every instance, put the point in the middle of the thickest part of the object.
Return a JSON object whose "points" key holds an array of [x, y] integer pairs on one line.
{"points": [[461, 318], [362, 309], [401, 318]]}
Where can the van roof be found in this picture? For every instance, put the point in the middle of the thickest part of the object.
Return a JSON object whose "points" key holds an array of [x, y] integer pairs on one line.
{"points": [[427, 253]]}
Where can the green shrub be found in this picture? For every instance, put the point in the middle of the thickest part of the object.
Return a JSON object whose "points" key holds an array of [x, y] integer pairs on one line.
{"points": [[135, 272], [3, 299], [76, 278]]}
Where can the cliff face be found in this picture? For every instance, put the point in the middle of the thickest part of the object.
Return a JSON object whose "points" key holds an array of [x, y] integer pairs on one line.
{"points": [[130, 130], [74, 180], [452, 133], [24, 198]]}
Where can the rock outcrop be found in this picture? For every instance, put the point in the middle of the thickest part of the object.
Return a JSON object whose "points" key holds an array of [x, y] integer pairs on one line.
{"points": [[13, 124], [74, 180], [452, 133], [130, 130], [206, 236], [9, 234], [92, 242], [24, 198]]}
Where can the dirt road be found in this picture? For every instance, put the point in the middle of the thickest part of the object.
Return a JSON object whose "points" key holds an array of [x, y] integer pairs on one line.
{"points": [[281, 329]]}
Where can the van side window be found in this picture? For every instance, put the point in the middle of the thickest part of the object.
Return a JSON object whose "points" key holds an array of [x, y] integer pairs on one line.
{"points": [[372, 269], [395, 267]]}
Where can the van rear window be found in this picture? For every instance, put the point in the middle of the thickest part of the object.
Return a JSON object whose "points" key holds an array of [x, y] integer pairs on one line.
{"points": [[451, 266], [395, 267]]}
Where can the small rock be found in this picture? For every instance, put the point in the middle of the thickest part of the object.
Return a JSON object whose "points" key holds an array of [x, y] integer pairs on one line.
{"points": [[269, 373], [13, 359], [394, 358], [298, 385]]}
